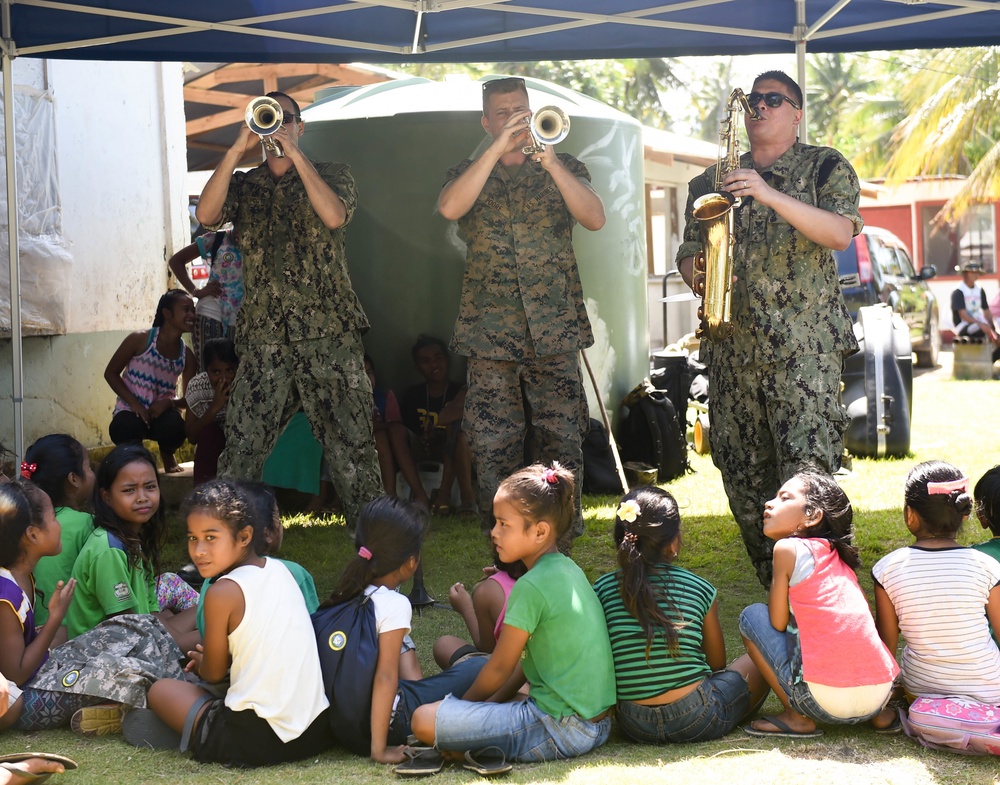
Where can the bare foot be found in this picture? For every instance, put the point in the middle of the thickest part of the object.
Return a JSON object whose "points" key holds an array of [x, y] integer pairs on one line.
{"points": [[170, 465], [28, 770]]}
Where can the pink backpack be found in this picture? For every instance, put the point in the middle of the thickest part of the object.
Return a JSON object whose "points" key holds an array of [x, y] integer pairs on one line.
{"points": [[954, 725]]}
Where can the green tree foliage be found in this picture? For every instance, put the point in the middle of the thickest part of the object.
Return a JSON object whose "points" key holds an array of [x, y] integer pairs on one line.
{"points": [[632, 86], [953, 124]]}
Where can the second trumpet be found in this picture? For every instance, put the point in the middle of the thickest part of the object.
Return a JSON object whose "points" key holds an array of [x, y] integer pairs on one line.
{"points": [[264, 116], [549, 125]]}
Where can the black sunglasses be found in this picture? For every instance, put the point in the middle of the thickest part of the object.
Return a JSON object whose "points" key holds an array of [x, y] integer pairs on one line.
{"points": [[772, 100], [506, 85], [291, 118]]}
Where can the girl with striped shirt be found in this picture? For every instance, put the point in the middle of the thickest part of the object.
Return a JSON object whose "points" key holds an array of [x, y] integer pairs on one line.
{"points": [[663, 620], [941, 596]]}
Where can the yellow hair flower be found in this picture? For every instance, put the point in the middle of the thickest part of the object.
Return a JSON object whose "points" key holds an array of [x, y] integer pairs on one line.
{"points": [[629, 510]]}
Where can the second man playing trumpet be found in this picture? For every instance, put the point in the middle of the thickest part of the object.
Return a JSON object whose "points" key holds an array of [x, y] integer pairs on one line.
{"points": [[522, 320]]}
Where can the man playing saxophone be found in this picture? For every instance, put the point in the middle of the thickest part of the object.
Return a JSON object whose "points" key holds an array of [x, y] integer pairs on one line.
{"points": [[774, 381]]}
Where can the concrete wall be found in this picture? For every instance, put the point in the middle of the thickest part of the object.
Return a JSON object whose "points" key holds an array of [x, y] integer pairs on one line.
{"points": [[121, 168]]}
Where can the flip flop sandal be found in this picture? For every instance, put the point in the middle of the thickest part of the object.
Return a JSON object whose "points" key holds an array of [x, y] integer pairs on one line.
{"points": [[892, 728], [423, 761], [487, 762], [783, 732], [10, 762]]}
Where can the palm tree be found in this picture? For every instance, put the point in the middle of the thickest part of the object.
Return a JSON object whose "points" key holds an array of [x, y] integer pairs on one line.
{"points": [[953, 125]]}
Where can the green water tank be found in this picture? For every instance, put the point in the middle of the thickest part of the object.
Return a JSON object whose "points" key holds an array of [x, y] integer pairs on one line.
{"points": [[407, 262]]}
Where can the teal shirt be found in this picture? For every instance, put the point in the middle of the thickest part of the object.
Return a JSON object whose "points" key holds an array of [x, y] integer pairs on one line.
{"points": [[76, 528], [990, 548], [302, 577], [567, 659]]}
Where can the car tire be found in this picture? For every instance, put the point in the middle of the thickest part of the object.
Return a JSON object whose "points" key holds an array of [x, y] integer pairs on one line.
{"points": [[928, 358]]}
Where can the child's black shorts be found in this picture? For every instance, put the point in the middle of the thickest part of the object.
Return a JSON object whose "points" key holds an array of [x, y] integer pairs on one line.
{"points": [[241, 738]]}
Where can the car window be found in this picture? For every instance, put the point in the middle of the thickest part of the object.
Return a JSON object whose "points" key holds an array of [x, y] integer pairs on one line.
{"points": [[886, 259], [904, 263]]}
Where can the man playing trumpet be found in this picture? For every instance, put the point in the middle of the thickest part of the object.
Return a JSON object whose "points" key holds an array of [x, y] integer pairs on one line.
{"points": [[774, 382], [300, 325], [522, 320]]}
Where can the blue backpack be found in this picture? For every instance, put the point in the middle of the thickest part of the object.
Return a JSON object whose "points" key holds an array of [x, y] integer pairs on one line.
{"points": [[348, 655]]}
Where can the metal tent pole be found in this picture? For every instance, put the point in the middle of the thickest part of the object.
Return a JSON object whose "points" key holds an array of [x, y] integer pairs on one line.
{"points": [[17, 364]]}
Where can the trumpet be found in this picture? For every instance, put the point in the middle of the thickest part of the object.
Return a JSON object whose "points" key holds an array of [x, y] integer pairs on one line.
{"points": [[264, 116], [549, 125]]}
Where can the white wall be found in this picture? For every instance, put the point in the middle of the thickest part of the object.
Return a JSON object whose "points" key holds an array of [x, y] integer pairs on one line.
{"points": [[121, 143], [119, 130]]}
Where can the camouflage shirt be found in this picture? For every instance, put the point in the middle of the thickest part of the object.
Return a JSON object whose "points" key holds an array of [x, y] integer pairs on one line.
{"points": [[521, 296], [295, 273], [787, 301]]}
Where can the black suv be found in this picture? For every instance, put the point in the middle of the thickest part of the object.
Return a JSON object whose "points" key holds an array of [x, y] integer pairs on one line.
{"points": [[876, 268]]}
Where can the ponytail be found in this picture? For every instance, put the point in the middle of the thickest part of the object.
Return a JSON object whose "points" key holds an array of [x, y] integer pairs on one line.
{"points": [[389, 533], [647, 523]]}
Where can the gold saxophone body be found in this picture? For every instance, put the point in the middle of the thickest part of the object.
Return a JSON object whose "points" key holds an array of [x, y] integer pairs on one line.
{"points": [[716, 221]]}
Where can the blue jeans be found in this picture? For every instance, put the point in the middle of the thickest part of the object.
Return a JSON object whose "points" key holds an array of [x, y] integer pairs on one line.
{"points": [[708, 712], [783, 654], [455, 680], [522, 730]]}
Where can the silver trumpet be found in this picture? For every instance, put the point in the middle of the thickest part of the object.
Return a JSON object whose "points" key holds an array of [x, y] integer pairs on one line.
{"points": [[549, 125], [264, 116]]}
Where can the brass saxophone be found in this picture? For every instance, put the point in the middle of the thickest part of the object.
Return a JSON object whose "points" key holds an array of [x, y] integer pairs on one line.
{"points": [[715, 214]]}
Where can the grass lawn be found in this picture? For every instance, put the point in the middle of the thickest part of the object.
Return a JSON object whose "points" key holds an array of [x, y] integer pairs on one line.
{"points": [[455, 551]]}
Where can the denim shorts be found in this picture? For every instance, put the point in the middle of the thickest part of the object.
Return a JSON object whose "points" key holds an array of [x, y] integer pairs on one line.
{"points": [[522, 730], [708, 712], [782, 652]]}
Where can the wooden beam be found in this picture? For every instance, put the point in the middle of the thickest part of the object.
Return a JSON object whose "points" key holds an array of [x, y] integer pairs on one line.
{"points": [[213, 122], [216, 97], [246, 72]]}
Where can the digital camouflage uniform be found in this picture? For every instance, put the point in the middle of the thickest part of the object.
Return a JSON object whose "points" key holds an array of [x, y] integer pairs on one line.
{"points": [[117, 661], [299, 333], [774, 384], [522, 323]]}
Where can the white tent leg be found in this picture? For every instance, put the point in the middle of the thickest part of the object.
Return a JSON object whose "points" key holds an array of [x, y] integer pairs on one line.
{"points": [[17, 363], [800, 66]]}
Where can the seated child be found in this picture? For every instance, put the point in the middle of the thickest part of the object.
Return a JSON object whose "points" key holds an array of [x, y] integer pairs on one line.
{"points": [[670, 654], [207, 395], [143, 372], [941, 596], [483, 612], [267, 517], [815, 641], [987, 493], [116, 570], [28, 531], [392, 442], [255, 619], [388, 538], [60, 466], [433, 411], [554, 627]]}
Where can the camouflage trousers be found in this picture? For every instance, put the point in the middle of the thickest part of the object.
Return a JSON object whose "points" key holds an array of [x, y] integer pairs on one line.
{"points": [[116, 662], [326, 378], [769, 421], [533, 410]]}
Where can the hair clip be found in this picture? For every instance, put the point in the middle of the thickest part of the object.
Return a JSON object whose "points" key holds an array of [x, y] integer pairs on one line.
{"points": [[631, 538], [550, 476], [934, 488], [364, 553], [629, 510], [27, 469]]}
